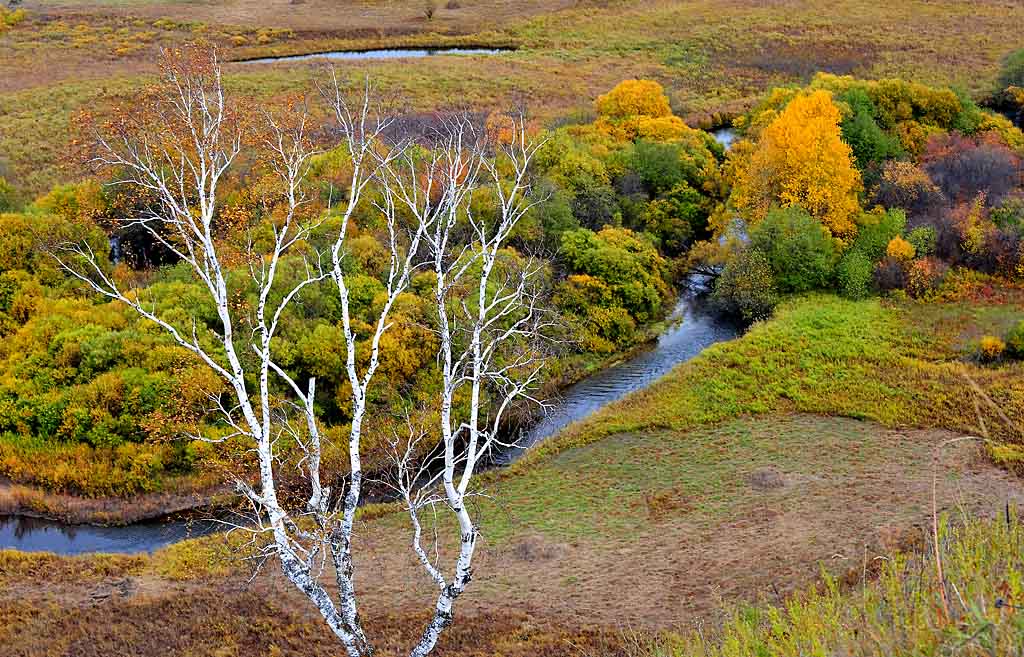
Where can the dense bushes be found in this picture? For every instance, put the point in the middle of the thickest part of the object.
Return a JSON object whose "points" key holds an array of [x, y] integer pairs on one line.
{"points": [[618, 197], [746, 287], [944, 183], [617, 282], [799, 250], [854, 275], [1015, 341], [1012, 73]]}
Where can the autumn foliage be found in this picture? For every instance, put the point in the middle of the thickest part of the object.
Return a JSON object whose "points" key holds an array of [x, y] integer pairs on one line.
{"points": [[802, 160]]}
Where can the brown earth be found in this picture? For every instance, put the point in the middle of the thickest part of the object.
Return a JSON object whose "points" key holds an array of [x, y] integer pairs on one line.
{"points": [[534, 591]]}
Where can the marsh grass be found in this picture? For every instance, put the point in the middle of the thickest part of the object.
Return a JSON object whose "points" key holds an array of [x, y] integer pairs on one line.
{"points": [[714, 58]]}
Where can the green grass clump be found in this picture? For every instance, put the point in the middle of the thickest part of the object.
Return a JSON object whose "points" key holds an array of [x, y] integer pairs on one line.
{"points": [[900, 365], [901, 613]]}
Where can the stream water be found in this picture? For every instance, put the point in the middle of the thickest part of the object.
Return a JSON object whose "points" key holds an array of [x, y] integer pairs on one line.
{"points": [[37, 535], [389, 53], [690, 331]]}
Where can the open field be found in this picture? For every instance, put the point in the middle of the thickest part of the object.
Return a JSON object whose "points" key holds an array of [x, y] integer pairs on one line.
{"points": [[712, 56], [695, 521], [698, 513]]}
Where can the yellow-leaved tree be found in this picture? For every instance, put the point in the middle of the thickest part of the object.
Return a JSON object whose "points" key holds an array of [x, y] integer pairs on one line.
{"points": [[639, 109], [801, 159]]}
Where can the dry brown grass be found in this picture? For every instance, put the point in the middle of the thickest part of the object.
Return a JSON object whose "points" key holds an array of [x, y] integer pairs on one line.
{"points": [[713, 56], [855, 491]]}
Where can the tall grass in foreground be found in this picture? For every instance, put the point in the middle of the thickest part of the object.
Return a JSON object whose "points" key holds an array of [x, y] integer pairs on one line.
{"points": [[899, 613]]}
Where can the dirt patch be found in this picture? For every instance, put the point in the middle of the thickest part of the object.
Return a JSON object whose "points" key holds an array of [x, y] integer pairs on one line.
{"points": [[836, 509], [766, 479]]}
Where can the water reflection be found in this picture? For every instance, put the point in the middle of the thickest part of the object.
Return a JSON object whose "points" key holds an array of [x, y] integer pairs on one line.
{"points": [[724, 136]]}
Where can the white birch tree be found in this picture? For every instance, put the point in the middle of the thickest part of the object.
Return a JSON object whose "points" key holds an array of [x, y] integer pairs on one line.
{"points": [[486, 355]]}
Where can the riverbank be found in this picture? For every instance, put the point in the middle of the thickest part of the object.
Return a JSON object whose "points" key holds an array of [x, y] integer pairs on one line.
{"points": [[32, 502], [581, 387]]}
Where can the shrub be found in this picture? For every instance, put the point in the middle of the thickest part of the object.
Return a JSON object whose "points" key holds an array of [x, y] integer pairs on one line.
{"points": [[991, 348], [746, 288], [1009, 213], [1015, 341], [1012, 73], [923, 239], [869, 142], [876, 229], [8, 196], [677, 218], [890, 274], [633, 98], [658, 166], [854, 274], [11, 17], [799, 250], [616, 282], [908, 187], [964, 167], [924, 276], [900, 249]]}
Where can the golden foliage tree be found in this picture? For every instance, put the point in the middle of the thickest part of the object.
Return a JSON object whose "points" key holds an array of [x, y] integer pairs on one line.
{"points": [[639, 109], [801, 159], [632, 98]]}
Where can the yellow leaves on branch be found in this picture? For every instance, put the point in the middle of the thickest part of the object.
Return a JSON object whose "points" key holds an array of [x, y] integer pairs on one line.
{"points": [[639, 109], [801, 159]]}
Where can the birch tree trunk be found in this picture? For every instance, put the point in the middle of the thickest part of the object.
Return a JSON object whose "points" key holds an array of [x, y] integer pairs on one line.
{"points": [[178, 144]]}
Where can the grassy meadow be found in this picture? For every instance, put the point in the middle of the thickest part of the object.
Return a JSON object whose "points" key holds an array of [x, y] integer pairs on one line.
{"points": [[713, 57]]}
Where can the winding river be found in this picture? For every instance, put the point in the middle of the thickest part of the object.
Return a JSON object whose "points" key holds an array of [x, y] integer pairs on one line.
{"points": [[691, 330]]}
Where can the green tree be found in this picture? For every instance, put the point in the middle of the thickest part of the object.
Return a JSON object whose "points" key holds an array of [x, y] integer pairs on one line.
{"points": [[746, 287], [868, 141], [797, 247]]}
